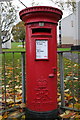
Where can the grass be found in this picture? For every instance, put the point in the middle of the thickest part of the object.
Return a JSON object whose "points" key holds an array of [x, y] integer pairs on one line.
{"points": [[64, 49], [13, 74], [12, 64], [14, 47]]}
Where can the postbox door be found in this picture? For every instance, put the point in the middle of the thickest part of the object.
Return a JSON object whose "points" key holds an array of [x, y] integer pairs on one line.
{"points": [[41, 74]]}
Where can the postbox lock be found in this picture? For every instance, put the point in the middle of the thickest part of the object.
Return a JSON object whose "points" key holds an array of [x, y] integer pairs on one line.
{"points": [[51, 75], [41, 23]]}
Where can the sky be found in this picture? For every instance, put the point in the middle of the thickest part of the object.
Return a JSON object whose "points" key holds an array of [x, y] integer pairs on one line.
{"points": [[28, 3]]}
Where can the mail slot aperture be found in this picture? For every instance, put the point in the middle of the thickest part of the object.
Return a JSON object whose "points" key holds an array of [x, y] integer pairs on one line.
{"points": [[41, 30]]}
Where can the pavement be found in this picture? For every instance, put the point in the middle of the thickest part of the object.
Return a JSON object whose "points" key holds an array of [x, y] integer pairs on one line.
{"points": [[75, 57]]}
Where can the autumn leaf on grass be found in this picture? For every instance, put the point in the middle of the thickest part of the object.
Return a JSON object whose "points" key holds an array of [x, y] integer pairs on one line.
{"points": [[17, 101], [5, 115], [77, 106], [70, 97], [77, 116], [58, 93], [19, 97], [16, 87], [14, 114], [59, 99], [10, 71], [10, 101], [67, 114], [71, 105], [67, 90], [20, 91], [76, 99], [65, 81], [59, 103], [9, 68], [1, 117], [23, 117], [64, 115], [67, 95], [22, 105]]}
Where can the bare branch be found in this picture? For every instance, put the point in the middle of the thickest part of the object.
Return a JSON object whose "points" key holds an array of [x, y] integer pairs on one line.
{"points": [[70, 4], [22, 3], [8, 17]]}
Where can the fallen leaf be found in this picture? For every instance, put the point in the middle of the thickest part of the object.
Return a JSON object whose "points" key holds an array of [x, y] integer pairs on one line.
{"points": [[13, 115], [67, 114], [9, 68], [59, 99], [22, 105], [20, 91], [76, 99], [66, 90], [67, 95], [5, 115], [10, 101], [1, 117], [77, 116], [77, 106], [19, 97]]}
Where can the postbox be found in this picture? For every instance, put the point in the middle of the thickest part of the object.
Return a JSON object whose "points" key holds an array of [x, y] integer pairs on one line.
{"points": [[41, 61]]}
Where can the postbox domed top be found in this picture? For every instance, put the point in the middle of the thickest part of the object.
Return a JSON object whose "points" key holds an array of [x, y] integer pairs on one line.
{"points": [[40, 13]]}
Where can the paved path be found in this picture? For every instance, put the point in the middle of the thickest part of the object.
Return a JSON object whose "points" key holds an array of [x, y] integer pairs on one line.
{"points": [[73, 56]]}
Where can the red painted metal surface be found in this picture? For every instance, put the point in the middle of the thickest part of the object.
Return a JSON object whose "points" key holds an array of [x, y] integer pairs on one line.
{"points": [[41, 57]]}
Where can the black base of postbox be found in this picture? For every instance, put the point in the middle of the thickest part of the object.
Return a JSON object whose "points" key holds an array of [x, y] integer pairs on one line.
{"points": [[33, 115]]}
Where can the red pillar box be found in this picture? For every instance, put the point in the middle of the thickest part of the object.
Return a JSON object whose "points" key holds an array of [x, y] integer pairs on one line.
{"points": [[41, 61]]}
